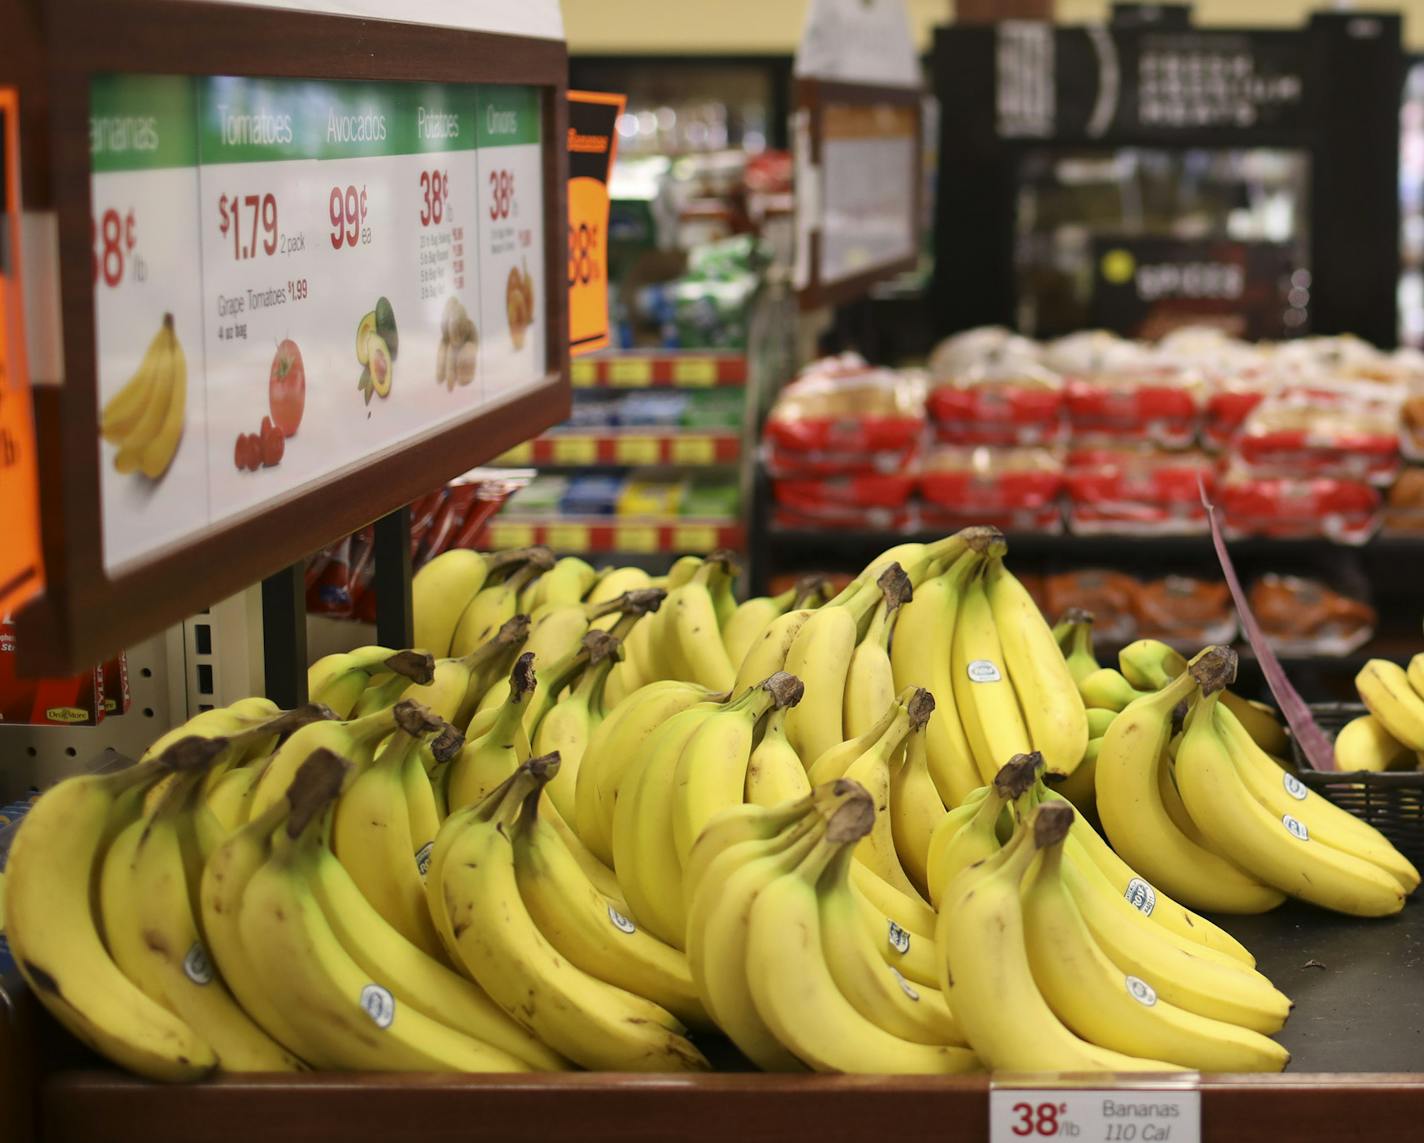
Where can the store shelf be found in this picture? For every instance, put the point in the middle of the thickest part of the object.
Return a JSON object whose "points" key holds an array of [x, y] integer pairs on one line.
{"points": [[609, 534], [659, 369], [687, 448]]}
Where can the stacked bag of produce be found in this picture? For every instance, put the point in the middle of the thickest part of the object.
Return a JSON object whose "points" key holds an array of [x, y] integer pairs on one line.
{"points": [[601, 819]]}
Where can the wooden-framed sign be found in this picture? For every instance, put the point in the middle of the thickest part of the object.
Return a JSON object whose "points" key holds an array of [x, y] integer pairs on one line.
{"points": [[858, 157], [311, 267]]}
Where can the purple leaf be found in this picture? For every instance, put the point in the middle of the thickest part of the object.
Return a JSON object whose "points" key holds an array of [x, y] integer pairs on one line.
{"points": [[1313, 743]]}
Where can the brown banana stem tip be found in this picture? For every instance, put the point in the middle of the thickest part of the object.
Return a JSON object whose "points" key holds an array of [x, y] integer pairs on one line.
{"points": [[642, 600], [600, 645], [447, 743], [191, 753], [984, 539], [809, 586], [895, 585], [298, 717], [497, 560], [416, 719], [315, 785], [852, 819], [541, 557], [1077, 615], [512, 631], [727, 558], [1214, 669], [1179, 716], [920, 707], [1017, 776], [543, 768], [521, 678], [417, 666], [786, 689], [1051, 824]]}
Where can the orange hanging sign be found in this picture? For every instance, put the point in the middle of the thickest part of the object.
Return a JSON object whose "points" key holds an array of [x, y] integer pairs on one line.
{"points": [[21, 559], [593, 145]]}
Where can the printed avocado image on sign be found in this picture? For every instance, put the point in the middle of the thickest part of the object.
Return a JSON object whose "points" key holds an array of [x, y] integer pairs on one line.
{"points": [[295, 277]]}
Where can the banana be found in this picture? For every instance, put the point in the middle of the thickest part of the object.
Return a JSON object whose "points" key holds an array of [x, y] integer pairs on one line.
{"points": [[1074, 635], [1099, 720], [614, 583], [820, 656], [158, 452], [877, 990], [793, 988], [1107, 689], [634, 671], [752, 618], [494, 605], [837, 760], [1281, 793], [349, 1020], [1364, 744], [915, 809], [871, 770], [145, 892], [775, 772], [551, 680], [870, 678], [338, 681], [1129, 802], [442, 589], [941, 867], [687, 635], [1052, 707], [123, 410], [615, 745], [923, 634], [592, 1023], [984, 694], [1093, 997], [1384, 689], [451, 689], [711, 771], [488, 760], [570, 723], [568, 581], [584, 926], [54, 935], [370, 831], [1151, 664], [355, 740], [1279, 850], [767, 653], [988, 980]]}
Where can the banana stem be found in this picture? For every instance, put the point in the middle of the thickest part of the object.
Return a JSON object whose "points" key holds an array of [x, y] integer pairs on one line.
{"points": [[417, 666], [315, 786]]}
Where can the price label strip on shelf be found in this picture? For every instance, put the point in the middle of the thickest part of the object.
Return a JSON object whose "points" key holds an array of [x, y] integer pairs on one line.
{"points": [[1164, 1113], [593, 145], [21, 558]]}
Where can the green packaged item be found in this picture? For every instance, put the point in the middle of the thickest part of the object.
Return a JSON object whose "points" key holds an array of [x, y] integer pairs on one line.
{"points": [[540, 497], [712, 499], [714, 410]]}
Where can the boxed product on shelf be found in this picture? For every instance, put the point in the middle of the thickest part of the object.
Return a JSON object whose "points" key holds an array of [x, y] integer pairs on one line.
{"points": [[1016, 489], [540, 497], [1293, 507], [1154, 402], [1187, 612], [117, 697], [711, 498], [843, 405], [645, 494], [72, 700], [1303, 616], [998, 400], [652, 409], [714, 409], [591, 495], [1331, 428], [594, 411], [1110, 595], [1137, 490]]}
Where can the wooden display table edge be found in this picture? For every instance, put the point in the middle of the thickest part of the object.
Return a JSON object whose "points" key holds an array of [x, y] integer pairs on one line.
{"points": [[353, 1107]]}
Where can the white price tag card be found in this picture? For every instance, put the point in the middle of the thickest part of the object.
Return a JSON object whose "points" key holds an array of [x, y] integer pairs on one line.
{"points": [[1095, 1115]]}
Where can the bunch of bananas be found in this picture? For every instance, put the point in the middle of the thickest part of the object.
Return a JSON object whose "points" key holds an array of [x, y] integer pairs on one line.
{"points": [[144, 419], [596, 816], [1391, 735], [1190, 788]]}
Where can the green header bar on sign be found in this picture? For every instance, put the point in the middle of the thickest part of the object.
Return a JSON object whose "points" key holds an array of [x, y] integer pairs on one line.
{"points": [[261, 120], [142, 122], [508, 116]]}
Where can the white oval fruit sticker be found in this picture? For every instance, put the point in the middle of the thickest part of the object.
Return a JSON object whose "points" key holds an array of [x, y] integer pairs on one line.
{"points": [[1294, 787], [984, 671], [899, 939], [1140, 991], [1141, 896], [620, 922], [379, 1005], [905, 986], [422, 857], [196, 965], [1295, 827]]}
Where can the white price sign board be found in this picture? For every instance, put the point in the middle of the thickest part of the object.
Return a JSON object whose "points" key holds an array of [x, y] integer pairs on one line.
{"points": [[1088, 1115], [342, 268]]}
